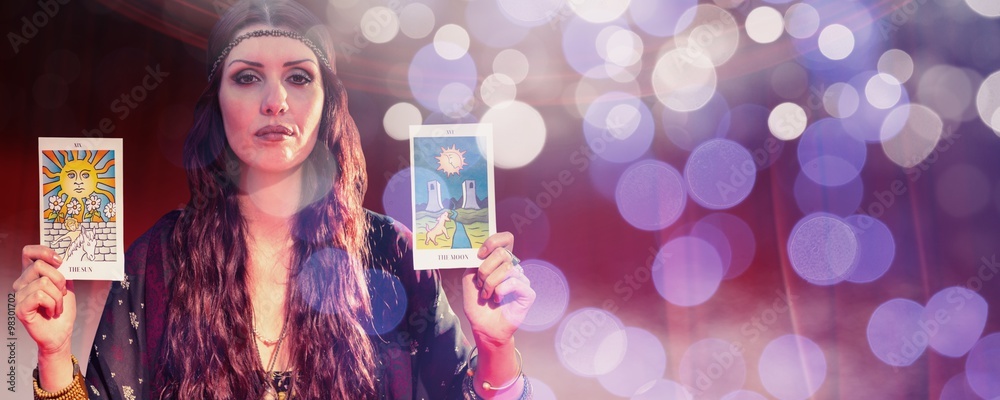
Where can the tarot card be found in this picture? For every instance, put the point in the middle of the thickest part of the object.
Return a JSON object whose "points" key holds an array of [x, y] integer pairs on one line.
{"points": [[454, 207], [81, 205]]}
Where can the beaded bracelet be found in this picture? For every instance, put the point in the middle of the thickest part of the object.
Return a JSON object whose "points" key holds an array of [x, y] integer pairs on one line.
{"points": [[75, 391]]}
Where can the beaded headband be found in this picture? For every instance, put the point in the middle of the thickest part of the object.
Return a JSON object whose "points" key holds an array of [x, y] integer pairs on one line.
{"points": [[267, 32]]}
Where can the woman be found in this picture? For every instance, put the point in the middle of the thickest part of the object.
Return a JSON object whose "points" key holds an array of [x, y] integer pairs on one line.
{"points": [[262, 285]]}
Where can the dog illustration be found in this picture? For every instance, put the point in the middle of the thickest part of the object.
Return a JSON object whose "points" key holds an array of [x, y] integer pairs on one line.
{"points": [[438, 229]]}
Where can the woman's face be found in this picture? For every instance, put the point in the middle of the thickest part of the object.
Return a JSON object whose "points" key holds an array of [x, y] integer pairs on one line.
{"points": [[271, 97]]}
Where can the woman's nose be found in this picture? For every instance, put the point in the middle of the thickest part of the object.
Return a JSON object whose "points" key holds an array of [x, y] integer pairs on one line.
{"points": [[274, 102]]}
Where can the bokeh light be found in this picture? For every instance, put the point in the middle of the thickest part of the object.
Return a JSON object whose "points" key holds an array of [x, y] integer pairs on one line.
{"points": [[876, 248], [483, 24], [518, 133], [744, 395], [451, 42], [957, 388], [529, 220], [388, 299], [650, 195], [841, 200], [836, 42], [687, 130], [399, 117], [828, 155], [552, 295], [910, 133], [512, 63], [663, 389], [948, 91], [787, 121], [744, 124], [618, 127], [764, 25], [541, 390], [954, 318], [497, 90], [687, 271], [897, 334], [416, 20], [801, 20], [379, 24], [619, 46], [986, 8], [711, 38], [883, 91], [823, 249], [645, 361], [711, 369], [792, 367], [591, 342], [720, 174], [429, 74], [683, 81], [897, 63], [530, 12], [599, 11], [988, 101], [660, 18], [740, 243], [396, 198], [982, 367], [841, 100]]}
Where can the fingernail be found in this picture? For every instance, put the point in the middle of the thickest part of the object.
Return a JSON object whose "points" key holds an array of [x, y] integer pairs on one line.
{"points": [[58, 258]]}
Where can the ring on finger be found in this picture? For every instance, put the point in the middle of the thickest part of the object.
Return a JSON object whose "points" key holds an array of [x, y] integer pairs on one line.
{"points": [[513, 259]]}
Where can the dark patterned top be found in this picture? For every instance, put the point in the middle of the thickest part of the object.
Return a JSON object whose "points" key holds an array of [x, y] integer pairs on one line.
{"points": [[422, 357]]}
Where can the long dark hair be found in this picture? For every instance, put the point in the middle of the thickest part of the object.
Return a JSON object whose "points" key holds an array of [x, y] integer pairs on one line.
{"points": [[208, 349]]}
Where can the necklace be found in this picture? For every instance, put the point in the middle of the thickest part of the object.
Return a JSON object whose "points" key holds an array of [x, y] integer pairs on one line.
{"points": [[271, 393], [269, 342]]}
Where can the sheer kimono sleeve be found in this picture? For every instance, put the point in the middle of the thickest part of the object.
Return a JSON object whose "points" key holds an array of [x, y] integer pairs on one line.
{"points": [[120, 359]]}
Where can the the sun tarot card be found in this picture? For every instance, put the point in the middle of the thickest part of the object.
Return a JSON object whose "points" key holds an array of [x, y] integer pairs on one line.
{"points": [[81, 205], [454, 207]]}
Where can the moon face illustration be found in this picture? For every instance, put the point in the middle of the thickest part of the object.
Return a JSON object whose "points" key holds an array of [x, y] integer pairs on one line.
{"points": [[451, 160]]}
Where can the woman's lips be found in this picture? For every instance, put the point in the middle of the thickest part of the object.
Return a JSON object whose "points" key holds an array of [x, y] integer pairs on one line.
{"points": [[274, 133]]}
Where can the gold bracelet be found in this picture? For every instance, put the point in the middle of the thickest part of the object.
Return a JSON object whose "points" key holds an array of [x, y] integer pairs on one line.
{"points": [[75, 391], [486, 384]]}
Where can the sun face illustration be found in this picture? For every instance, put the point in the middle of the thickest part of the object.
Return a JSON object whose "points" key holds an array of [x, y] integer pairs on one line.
{"points": [[85, 178], [451, 160]]}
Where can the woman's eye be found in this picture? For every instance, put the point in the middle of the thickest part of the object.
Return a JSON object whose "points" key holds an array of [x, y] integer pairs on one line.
{"points": [[245, 79], [300, 79]]}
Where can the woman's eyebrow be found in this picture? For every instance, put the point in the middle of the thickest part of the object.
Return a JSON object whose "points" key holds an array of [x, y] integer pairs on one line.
{"points": [[251, 63], [259, 65], [290, 63]]}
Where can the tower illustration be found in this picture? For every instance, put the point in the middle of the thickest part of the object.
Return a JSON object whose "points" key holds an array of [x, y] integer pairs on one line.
{"points": [[434, 196], [469, 200]]}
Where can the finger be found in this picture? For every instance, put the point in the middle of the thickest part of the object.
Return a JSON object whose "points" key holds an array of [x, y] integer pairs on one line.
{"points": [[499, 275], [33, 252], [495, 241], [496, 259], [518, 287], [32, 302], [39, 269], [45, 286]]}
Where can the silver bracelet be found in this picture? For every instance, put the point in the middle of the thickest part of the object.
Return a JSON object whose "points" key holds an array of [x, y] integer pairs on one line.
{"points": [[486, 384], [469, 389]]}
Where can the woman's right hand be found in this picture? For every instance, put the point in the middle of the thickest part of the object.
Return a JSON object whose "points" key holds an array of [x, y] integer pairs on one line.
{"points": [[45, 302]]}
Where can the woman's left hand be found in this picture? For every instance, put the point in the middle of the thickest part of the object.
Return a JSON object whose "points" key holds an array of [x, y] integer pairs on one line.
{"points": [[497, 295]]}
